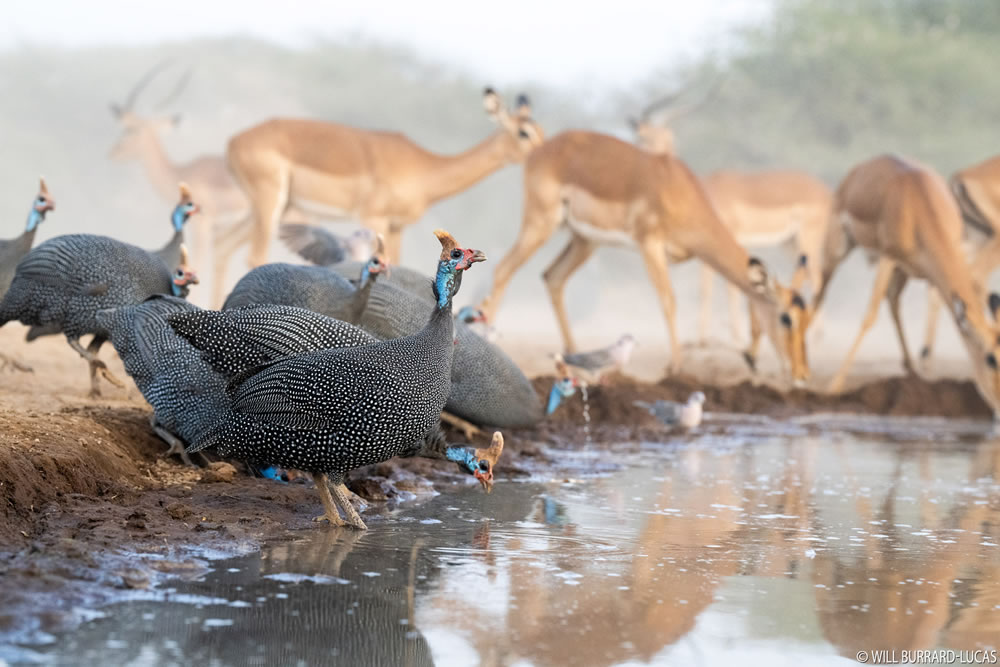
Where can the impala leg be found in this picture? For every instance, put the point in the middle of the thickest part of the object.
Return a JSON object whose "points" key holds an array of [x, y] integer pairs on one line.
{"points": [[886, 267], [654, 254], [756, 331], [930, 329], [705, 316], [13, 363], [733, 296], [985, 261], [537, 226], [895, 290], [393, 234], [227, 241], [269, 196], [569, 260]]}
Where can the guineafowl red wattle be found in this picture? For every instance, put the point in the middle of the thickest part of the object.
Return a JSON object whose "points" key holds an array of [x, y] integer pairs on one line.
{"points": [[14, 250], [328, 412], [61, 284], [313, 287]]}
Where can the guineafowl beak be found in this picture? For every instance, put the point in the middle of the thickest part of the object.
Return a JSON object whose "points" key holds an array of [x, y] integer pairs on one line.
{"points": [[187, 278], [469, 258]]}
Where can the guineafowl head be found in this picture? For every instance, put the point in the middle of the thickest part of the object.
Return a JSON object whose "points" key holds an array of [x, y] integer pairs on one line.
{"points": [[470, 315], [377, 263], [454, 259], [185, 208], [42, 204], [478, 462], [183, 277]]}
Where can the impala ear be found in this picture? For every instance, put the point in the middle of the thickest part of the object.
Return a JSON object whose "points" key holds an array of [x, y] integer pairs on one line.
{"points": [[757, 275], [523, 106]]}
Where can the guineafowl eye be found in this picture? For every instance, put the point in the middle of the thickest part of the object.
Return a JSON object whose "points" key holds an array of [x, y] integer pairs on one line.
{"points": [[484, 465], [179, 273], [456, 254], [41, 200]]}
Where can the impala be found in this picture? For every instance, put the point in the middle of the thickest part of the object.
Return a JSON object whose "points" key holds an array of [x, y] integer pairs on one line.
{"points": [[903, 213], [761, 208], [606, 191], [382, 179], [223, 205], [977, 189]]}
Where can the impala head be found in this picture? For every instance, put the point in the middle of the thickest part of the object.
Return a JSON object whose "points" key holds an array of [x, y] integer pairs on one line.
{"points": [[982, 341], [653, 125], [478, 462], [377, 263], [521, 132], [140, 131], [453, 260], [784, 316], [41, 205], [184, 276], [185, 208]]}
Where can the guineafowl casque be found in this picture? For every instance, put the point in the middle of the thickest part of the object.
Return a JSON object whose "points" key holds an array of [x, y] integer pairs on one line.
{"points": [[312, 287], [63, 282], [330, 411], [188, 396], [14, 250]]}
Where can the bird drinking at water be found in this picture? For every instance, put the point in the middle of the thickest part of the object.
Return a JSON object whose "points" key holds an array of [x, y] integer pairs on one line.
{"points": [[591, 366], [687, 415]]}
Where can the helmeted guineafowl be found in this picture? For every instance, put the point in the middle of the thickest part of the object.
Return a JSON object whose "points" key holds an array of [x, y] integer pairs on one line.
{"points": [[487, 386], [66, 280], [330, 411], [312, 287], [14, 250], [188, 395], [171, 253], [239, 338], [323, 248]]}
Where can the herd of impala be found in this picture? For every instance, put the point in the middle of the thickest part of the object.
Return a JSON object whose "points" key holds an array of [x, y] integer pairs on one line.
{"points": [[606, 191]]}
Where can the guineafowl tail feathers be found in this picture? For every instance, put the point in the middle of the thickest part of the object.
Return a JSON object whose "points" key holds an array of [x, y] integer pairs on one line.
{"points": [[210, 436]]}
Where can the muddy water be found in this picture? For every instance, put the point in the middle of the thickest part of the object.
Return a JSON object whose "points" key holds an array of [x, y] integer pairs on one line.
{"points": [[759, 542]]}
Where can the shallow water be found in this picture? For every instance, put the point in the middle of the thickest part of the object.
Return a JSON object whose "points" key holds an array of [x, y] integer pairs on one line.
{"points": [[759, 542]]}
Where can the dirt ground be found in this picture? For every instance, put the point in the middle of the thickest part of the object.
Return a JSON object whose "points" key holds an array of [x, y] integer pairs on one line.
{"points": [[91, 507]]}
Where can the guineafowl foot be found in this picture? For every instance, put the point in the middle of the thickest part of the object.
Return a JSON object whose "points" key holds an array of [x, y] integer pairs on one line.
{"points": [[468, 429], [340, 494], [6, 361], [176, 446], [330, 512]]}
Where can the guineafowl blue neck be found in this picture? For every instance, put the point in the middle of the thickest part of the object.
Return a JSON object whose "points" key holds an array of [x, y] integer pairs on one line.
{"points": [[446, 283], [178, 291], [34, 218], [179, 217], [463, 456]]}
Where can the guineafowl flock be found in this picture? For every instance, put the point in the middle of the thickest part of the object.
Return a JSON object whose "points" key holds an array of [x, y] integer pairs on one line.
{"points": [[320, 369]]}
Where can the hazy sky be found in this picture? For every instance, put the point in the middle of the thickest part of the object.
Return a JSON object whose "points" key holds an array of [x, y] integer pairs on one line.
{"points": [[607, 42]]}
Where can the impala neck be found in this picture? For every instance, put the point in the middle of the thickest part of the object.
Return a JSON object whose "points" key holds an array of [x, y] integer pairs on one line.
{"points": [[162, 173], [444, 175]]}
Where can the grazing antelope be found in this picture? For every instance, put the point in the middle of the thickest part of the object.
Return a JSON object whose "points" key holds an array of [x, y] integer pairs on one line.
{"points": [[383, 179], [762, 209], [223, 205], [903, 213], [977, 189], [607, 191]]}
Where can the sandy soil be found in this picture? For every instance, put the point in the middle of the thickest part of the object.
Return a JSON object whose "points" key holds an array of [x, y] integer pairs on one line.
{"points": [[84, 486]]}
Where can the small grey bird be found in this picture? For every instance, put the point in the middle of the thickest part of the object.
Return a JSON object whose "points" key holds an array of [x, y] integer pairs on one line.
{"points": [[591, 366], [687, 415]]}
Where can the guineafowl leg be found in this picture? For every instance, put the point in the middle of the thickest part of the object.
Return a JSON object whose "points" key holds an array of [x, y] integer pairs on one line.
{"points": [[340, 495], [6, 361], [330, 512], [176, 446], [96, 365], [470, 430]]}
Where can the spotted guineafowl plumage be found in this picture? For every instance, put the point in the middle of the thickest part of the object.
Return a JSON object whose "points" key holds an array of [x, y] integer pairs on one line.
{"points": [[14, 250], [63, 282], [187, 395], [312, 287], [487, 386], [329, 411]]}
